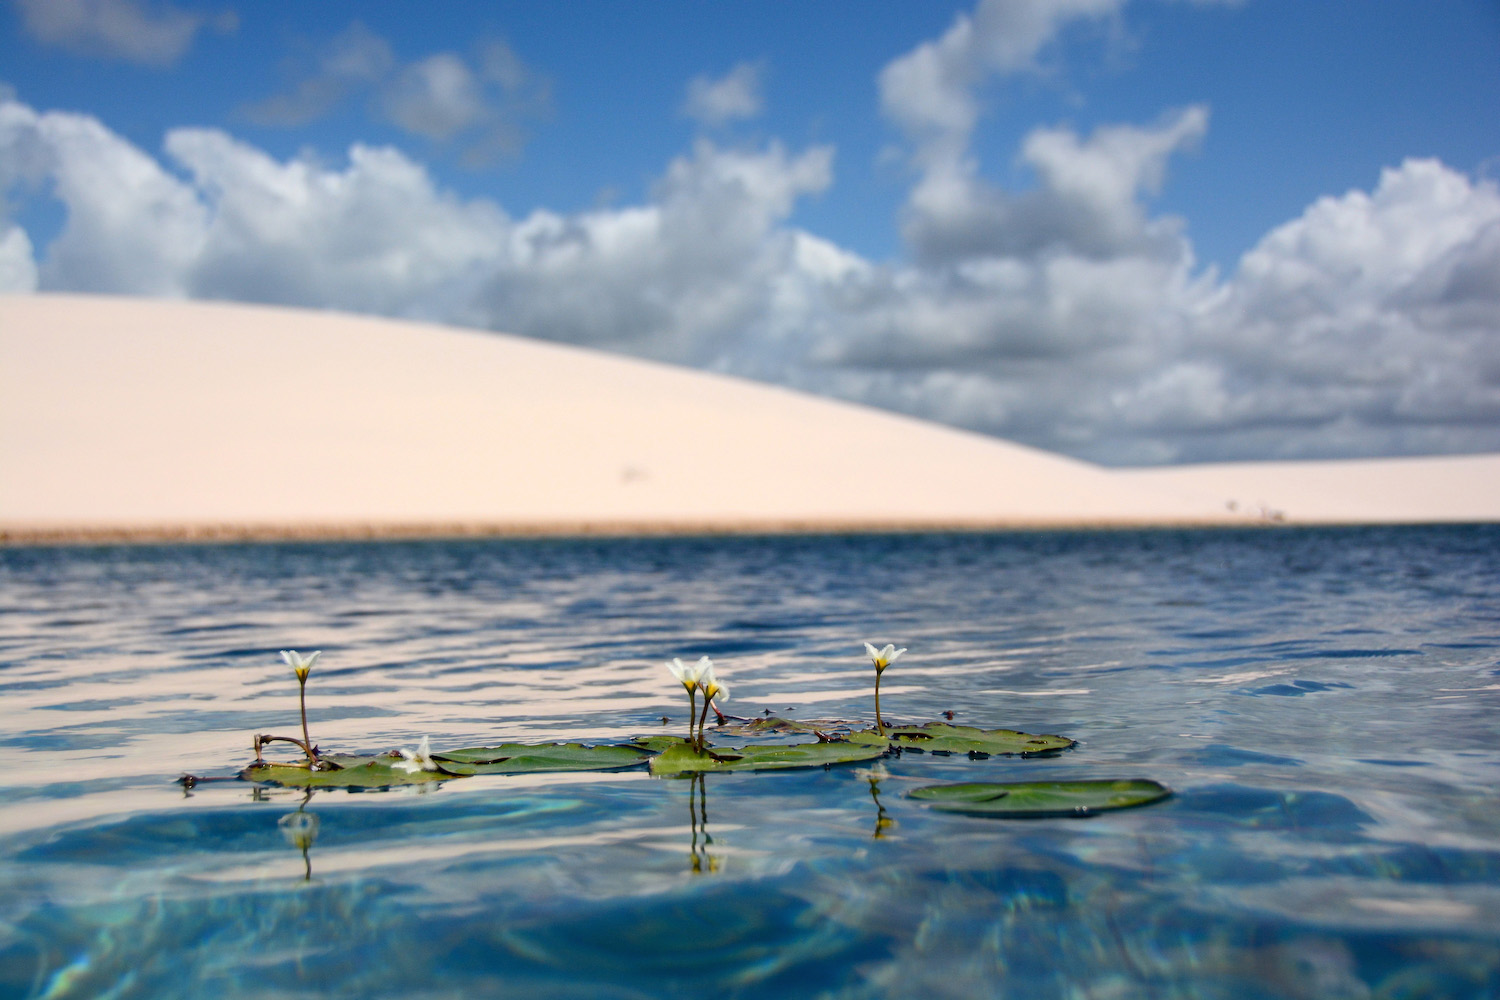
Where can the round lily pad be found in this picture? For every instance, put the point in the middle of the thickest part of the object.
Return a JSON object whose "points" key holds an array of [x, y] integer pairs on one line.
{"points": [[351, 772], [529, 758], [658, 743], [683, 759], [1027, 799], [508, 758]]}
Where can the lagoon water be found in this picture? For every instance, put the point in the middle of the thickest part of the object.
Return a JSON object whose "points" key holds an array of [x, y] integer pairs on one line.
{"points": [[1323, 703]]}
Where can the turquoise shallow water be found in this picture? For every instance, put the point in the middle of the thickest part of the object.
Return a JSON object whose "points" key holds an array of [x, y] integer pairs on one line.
{"points": [[1322, 702]]}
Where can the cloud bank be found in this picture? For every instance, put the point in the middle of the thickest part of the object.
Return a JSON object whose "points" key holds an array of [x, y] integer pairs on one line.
{"points": [[1066, 315]]}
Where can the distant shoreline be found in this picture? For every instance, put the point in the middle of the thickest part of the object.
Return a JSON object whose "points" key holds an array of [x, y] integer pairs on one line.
{"points": [[20, 536]]}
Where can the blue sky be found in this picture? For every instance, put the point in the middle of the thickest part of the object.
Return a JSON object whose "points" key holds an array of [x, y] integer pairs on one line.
{"points": [[1131, 230]]}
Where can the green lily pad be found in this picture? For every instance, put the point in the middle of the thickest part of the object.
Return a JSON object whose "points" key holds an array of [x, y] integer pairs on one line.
{"points": [[683, 759], [528, 758], [1027, 799], [384, 770], [940, 737], [657, 744], [351, 772], [776, 724]]}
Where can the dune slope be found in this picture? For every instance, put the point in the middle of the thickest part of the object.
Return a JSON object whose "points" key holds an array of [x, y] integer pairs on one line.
{"points": [[137, 414]]}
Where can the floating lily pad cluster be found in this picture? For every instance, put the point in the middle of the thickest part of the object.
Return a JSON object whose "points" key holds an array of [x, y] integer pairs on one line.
{"points": [[834, 742]]}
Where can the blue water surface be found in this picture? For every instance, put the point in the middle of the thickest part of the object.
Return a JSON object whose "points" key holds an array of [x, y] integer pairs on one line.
{"points": [[1323, 703]]}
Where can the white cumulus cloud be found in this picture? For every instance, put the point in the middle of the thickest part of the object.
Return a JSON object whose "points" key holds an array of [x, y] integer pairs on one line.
{"points": [[437, 97], [477, 103], [131, 226], [1067, 315], [376, 236], [355, 59], [152, 34], [735, 95], [1087, 200], [681, 278], [1372, 322], [929, 92], [17, 264]]}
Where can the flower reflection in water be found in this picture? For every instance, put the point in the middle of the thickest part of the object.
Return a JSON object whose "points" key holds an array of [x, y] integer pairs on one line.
{"points": [[701, 860], [874, 775], [300, 828]]}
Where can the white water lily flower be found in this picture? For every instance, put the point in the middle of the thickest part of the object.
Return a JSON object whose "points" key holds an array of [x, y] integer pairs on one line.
{"points": [[686, 675], [419, 761], [883, 657], [712, 687], [301, 664]]}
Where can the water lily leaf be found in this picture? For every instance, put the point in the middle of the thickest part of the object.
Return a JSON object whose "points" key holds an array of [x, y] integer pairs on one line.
{"points": [[528, 758], [1024, 799], [773, 727], [353, 772], [941, 737], [509, 758], [656, 744], [683, 759]]}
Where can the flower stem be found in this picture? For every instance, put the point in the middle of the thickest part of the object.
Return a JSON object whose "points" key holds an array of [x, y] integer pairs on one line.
{"points": [[702, 720], [879, 725], [692, 712], [266, 738], [307, 740]]}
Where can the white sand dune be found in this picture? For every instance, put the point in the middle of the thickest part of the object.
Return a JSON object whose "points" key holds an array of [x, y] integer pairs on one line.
{"points": [[129, 416]]}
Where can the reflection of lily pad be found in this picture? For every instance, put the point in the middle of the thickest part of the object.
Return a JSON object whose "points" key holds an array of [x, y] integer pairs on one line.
{"points": [[526, 758], [1040, 798], [940, 737], [682, 759], [352, 772]]}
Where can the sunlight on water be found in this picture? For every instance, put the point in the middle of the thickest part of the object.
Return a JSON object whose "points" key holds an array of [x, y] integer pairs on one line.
{"points": [[1321, 701]]}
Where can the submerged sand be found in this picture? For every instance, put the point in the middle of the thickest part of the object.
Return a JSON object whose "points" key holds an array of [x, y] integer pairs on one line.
{"points": [[146, 418]]}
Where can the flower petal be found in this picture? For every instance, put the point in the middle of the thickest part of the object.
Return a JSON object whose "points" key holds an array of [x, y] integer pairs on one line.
{"points": [[419, 761]]}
